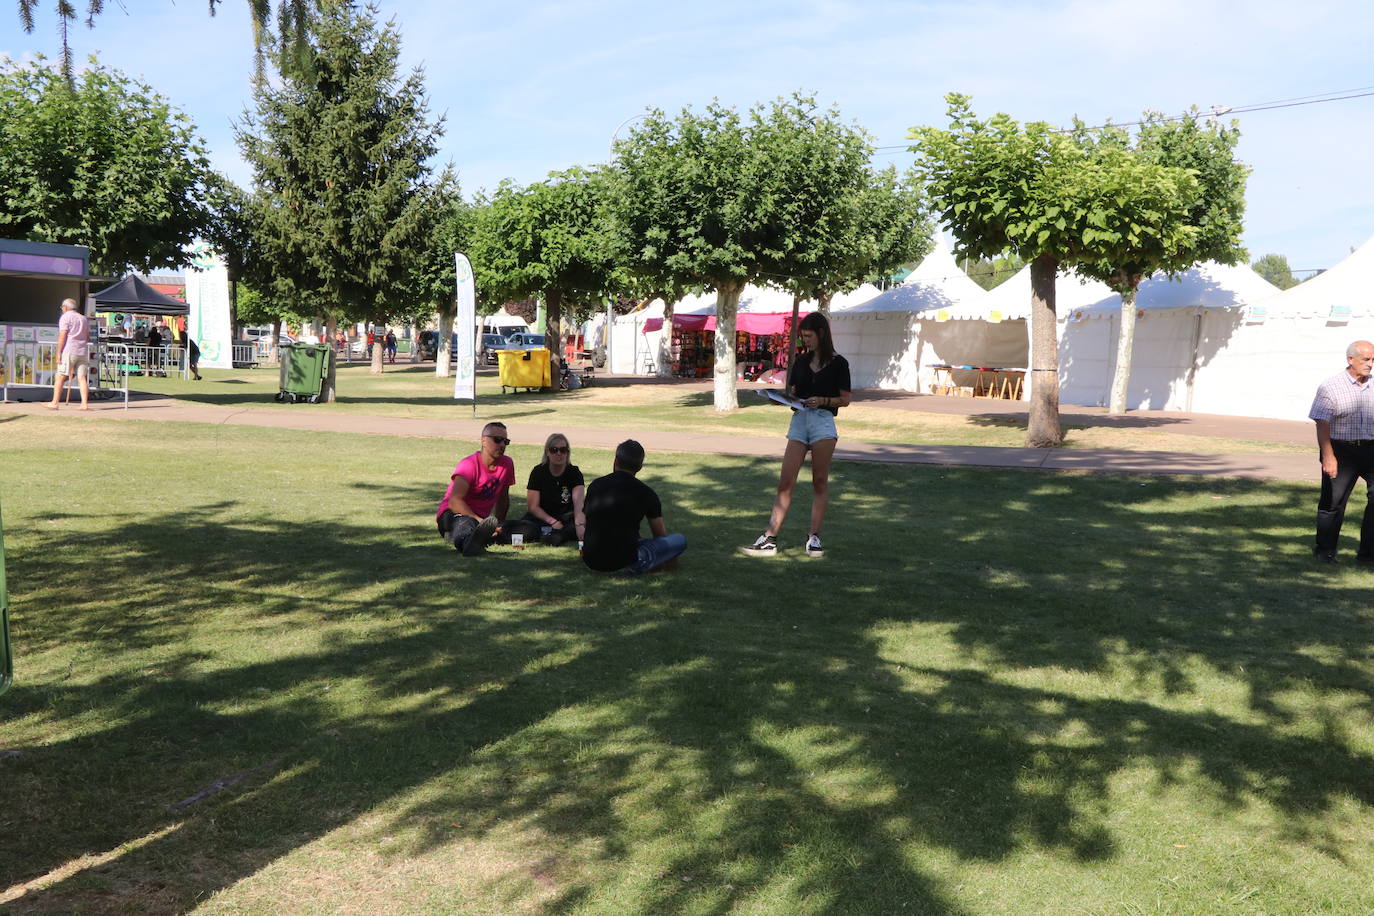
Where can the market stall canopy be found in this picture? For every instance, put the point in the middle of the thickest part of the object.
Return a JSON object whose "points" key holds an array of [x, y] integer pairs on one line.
{"points": [[1010, 300], [133, 295], [936, 283], [1336, 295], [762, 310], [841, 301], [1208, 285]]}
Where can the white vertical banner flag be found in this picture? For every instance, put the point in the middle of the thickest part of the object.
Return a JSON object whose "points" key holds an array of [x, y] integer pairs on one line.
{"points": [[464, 351], [207, 293]]}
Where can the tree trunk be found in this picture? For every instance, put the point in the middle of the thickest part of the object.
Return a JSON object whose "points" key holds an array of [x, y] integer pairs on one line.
{"points": [[823, 303], [1121, 376], [378, 348], [553, 333], [1043, 431], [443, 354], [415, 341], [793, 333], [274, 345], [665, 340], [727, 304]]}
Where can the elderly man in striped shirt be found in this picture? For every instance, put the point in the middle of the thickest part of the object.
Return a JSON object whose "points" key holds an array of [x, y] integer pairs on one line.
{"points": [[1344, 412]]}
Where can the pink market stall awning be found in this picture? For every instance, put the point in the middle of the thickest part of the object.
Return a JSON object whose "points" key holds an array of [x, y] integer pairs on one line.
{"points": [[748, 322]]}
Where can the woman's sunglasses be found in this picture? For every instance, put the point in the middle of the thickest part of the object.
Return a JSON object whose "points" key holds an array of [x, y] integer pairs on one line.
{"points": [[558, 449]]}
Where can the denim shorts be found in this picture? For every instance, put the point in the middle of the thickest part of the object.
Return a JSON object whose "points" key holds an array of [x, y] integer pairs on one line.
{"points": [[811, 425]]}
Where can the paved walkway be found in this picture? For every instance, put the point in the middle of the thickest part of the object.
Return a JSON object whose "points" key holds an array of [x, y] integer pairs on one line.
{"points": [[1124, 461]]}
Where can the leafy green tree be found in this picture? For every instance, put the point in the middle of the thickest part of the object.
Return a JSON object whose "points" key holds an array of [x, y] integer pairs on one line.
{"points": [[1275, 269], [990, 273], [717, 201], [1213, 200], [434, 278], [546, 239], [1043, 196], [339, 151], [109, 164]]}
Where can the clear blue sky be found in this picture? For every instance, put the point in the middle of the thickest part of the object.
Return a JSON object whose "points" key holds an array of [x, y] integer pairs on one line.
{"points": [[528, 88]]}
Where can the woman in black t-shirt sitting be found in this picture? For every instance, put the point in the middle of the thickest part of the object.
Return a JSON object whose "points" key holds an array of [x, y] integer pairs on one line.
{"points": [[819, 378], [554, 493]]}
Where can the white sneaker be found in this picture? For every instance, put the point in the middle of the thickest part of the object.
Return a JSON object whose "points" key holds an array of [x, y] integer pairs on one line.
{"points": [[765, 546], [813, 546]]}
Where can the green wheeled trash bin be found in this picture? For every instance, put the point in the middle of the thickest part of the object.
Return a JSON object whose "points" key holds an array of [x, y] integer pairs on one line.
{"points": [[304, 368], [6, 658]]}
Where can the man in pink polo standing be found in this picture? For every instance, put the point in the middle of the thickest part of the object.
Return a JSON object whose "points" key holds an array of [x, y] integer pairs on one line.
{"points": [[73, 354]]}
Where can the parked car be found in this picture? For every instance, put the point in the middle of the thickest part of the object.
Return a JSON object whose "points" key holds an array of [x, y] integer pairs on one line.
{"points": [[260, 336], [427, 345], [486, 349], [524, 341]]}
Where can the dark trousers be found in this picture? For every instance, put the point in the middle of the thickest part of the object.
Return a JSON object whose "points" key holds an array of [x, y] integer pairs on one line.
{"points": [[1353, 462], [533, 529], [456, 529]]}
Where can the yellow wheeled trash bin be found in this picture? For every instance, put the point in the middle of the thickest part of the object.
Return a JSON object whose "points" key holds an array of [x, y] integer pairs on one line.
{"points": [[524, 368]]}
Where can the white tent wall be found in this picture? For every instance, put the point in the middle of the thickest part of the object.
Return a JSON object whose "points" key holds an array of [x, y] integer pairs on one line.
{"points": [[880, 349], [1272, 368], [1172, 347], [1185, 328], [630, 345]]}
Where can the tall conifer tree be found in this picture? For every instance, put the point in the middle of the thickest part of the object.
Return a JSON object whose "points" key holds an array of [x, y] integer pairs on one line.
{"points": [[339, 146]]}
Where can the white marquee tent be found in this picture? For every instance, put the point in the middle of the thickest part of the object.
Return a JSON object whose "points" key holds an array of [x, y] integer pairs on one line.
{"points": [[1287, 342], [1182, 326], [891, 340]]}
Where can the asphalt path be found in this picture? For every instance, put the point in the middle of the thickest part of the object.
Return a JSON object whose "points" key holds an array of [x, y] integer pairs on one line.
{"points": [[1240, 463]]}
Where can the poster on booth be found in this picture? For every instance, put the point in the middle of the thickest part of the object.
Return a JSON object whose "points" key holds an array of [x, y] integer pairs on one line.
{"points": [[207, 293], [45, 356], [4, 354], [22, 347]]}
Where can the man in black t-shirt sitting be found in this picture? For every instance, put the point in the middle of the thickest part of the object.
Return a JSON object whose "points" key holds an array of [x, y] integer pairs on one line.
{"points": [[615, 505]]}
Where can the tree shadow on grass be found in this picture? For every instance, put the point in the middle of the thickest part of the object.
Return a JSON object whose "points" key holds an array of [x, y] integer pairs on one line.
{"points": [[742, 731]]}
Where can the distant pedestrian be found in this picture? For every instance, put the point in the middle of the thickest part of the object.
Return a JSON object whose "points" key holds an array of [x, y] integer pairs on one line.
{"points": [[390, 345], [1344, 413], [73, 337], [192, 355]]}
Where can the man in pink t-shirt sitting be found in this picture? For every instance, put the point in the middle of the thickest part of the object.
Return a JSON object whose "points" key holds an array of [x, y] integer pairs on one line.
{"points": [[73, 356], [478, 495]]}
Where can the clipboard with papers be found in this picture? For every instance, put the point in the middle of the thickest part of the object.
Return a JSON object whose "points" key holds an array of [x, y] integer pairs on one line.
{"points": [[780, 397]]}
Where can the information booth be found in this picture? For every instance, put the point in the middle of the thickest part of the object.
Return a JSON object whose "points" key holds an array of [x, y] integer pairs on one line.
{"points": [[761, 340], [34, 279]]}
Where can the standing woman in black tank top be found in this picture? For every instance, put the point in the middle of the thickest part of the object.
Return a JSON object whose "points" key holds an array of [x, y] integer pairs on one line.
{"points": [[819, 378]]}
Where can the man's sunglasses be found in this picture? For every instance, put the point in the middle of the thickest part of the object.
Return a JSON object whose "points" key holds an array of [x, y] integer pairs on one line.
{"points": [[499, 440]]}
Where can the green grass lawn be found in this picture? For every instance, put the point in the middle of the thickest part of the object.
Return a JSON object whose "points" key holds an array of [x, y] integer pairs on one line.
{"points": [[999, 692], [413, 391]]}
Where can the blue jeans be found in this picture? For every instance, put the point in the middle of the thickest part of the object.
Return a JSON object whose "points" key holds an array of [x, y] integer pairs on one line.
{"points": [[654, 552], [811, 425]]}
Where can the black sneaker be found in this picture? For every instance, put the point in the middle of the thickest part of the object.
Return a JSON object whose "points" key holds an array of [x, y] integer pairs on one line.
{"points": [[813, 546], [479, 539], [765, 546]]}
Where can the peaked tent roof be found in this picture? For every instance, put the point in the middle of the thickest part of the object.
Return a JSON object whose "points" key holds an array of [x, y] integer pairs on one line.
{"points": [[133, 295], [1011, 299], [936, 283], [1348, 285], [1208, 285], [866, 293]]}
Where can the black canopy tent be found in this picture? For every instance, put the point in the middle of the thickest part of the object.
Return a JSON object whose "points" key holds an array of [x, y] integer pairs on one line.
{"points": [[133, 295]]}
